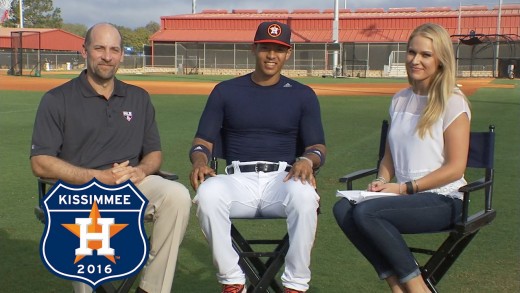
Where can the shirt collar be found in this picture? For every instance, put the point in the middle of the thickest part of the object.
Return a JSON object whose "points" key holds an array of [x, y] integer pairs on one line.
{"points": [[88, 91]]}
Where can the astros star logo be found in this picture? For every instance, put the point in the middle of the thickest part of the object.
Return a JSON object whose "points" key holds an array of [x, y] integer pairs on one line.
{"points": [[274, 30], [94, 233]]}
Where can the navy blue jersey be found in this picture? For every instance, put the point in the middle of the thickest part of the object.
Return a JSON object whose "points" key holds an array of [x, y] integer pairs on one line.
{"points": [[261, 123]]}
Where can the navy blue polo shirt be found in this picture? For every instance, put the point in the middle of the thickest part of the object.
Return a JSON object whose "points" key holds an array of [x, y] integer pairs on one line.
{"points": [[78, 125], [261, 123]]}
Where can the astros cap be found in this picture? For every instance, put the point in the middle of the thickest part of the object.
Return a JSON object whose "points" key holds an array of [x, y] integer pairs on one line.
{"points": [[273, 32]]}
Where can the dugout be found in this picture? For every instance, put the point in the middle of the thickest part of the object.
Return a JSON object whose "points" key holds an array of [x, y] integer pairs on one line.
{"points": [[506, 65]]}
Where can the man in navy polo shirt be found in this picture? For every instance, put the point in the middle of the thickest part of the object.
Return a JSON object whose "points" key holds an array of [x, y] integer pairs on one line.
{"points": [[96, 126], [262, 118]]}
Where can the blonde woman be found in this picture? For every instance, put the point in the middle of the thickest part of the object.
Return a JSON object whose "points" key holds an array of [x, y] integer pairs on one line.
{"points": [[426, 153]]}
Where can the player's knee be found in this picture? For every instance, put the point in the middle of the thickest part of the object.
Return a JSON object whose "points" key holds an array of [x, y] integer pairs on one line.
{"points": [[306, 200]]}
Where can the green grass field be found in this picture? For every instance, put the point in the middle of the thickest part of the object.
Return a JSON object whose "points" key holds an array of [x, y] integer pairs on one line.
{"points": [[490, 264]]}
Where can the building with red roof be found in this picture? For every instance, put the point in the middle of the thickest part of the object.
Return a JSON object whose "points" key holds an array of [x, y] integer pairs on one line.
{"points": [[29, 49], [370, 39], [50, 39]]}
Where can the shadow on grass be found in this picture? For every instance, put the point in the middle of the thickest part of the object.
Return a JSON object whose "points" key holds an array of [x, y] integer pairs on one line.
{"points": [[22, 269], [195, 271]]}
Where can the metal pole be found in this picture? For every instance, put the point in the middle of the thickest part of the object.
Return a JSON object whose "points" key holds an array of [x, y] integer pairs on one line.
{"points": [[144, 56], [458, 38], [459, 18], [20, 4], [193, 6], [294, 57], [335, 36], [38, 66], [495, 64]]}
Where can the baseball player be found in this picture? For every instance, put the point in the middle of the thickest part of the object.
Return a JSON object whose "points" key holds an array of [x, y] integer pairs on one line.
{"points": [[262, 117]]}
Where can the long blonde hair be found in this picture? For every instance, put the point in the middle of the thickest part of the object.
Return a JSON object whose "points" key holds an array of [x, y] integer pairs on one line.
{"points": [[443, 82]]}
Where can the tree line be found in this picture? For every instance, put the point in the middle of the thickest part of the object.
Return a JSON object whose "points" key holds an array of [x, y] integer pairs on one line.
{"points": [[43, 14]]}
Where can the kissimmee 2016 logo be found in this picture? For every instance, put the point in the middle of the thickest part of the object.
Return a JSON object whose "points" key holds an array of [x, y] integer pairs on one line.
{"points": [[94, 233]]}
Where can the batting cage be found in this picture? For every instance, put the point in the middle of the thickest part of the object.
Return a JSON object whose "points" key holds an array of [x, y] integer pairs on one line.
{"points": [[25, 53]]}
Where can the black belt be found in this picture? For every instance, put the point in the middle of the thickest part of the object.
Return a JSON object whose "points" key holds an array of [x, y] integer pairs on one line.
{"points": [[258, 167]]}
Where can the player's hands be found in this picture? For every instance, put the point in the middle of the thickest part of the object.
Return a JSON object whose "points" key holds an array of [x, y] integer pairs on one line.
{"points": [[123, 172], [302, 170], [199, 173]]}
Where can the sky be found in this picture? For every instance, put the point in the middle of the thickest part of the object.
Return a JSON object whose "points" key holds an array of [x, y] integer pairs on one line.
{"points": [[138, 13]]}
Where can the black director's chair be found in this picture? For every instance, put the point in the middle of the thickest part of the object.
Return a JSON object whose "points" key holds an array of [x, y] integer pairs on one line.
{"points": [[481, 158], [260, 258], [121, 286]]}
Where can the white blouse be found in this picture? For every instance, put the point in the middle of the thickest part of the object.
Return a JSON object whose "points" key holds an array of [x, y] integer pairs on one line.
{"points": [[414, 157]]}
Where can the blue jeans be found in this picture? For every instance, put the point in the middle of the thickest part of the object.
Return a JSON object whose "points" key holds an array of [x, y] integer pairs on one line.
{"points": [[375, 227]]}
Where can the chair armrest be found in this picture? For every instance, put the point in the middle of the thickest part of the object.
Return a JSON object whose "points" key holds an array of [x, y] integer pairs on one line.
{"points": [[357, 175], [475, 185], [349, 178], [467, 189], [47, 181], [167, 175]]}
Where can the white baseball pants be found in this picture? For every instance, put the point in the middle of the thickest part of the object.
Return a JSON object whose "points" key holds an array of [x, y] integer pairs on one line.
{"points": [[249, 194]]}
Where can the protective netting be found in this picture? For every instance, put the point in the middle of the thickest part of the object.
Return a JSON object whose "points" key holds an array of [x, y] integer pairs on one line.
{"points": [[23, 43]]}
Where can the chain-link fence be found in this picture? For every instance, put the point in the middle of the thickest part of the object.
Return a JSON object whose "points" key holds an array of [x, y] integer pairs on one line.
{"points": [[347, 59], [55, 60]]}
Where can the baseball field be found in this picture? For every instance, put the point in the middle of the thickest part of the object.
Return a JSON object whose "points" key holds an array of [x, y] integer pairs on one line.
{"points": [[352, 110]]}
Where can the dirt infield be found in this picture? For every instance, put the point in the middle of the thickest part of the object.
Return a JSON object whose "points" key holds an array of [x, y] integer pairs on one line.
{"points": [[469, 86]]}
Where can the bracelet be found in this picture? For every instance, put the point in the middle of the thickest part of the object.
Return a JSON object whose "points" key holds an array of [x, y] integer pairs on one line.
{"points": [[306, 159], [409, 187], [416, 186], [400, 192], [381, 179]]}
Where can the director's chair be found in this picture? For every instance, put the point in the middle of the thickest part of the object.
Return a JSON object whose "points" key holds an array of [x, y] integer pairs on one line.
{"points": [[260, 258], [120, 286], [481, 158]]}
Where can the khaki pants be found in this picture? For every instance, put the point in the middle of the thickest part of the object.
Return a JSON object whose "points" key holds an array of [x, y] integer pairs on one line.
{"points": [[168, 208]]}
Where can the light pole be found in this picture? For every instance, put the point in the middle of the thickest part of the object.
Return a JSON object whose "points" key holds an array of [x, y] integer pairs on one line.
{"points": [[335, 39], [20, 4], [496, 69]]}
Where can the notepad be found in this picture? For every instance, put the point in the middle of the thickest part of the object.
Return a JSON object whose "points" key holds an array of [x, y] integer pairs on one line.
{"points": [[357, 196]]}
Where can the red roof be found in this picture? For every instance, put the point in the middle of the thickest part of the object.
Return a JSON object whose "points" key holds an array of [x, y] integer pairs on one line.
{"points": [[50, 39], [312, 26]]}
